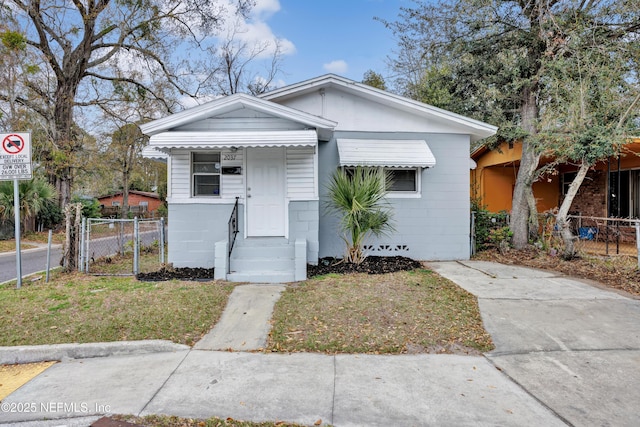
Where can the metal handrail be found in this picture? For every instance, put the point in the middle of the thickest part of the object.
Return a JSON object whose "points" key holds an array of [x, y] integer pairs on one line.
{"points": [[232, 227]]}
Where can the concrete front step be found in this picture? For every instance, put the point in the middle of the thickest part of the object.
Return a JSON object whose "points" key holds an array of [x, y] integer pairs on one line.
{"points": [[262, 277], [263, 251], [267, 260], [262, 264]]}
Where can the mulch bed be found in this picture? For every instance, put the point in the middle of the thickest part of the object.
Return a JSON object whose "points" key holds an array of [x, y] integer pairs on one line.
{"points": [[186, 273], [371, 265]]}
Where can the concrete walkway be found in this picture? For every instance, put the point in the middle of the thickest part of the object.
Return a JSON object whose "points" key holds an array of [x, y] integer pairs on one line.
{"points": [[244, 324], [566, 354]]}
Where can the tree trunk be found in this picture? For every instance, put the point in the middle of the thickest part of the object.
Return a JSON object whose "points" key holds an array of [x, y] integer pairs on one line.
{"points": [[125, 195], [533, 215], [561, 218], [520, 210]]}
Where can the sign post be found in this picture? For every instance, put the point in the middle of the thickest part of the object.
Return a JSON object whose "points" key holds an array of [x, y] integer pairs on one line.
{"points": [[15, 164]]}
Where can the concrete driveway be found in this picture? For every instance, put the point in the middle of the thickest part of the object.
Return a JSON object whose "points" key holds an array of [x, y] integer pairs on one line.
{"points": [[573, 346]]}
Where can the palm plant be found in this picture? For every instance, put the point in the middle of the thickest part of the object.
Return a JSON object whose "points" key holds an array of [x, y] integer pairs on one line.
{"points": [[359, 199], [33, 195]]}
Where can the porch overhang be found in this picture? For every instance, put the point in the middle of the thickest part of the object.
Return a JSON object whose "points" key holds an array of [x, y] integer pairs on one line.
{"points": [[385, 152], [199, 140]]}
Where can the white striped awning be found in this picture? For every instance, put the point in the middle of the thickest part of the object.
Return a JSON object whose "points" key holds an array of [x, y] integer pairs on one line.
{"points": [[401, 153], [166, 141], [149, 152]]}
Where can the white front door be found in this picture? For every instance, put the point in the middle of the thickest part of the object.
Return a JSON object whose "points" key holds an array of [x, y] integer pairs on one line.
{"points": [[265, 192]]}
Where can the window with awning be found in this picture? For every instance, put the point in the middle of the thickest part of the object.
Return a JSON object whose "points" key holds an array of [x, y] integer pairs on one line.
{"points": [[386, 153], [401, 159]]}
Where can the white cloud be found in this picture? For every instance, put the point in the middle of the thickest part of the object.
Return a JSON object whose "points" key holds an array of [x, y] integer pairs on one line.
{"points": [[338, 66], [255, 31]]}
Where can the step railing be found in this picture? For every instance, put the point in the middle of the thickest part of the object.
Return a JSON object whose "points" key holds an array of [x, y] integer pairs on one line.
{"points": [[232, 227]]}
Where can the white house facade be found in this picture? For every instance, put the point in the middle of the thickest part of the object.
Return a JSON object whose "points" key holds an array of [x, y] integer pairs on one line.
{"points": [[266, 161]]}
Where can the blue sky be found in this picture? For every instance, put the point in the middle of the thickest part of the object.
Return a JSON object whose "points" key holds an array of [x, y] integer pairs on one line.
{"points": [[322, 36]]}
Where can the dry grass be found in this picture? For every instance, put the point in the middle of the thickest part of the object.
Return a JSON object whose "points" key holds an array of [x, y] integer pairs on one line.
{"points": [[171, 421], [28, 239], [79, 308], [10, 245], [404, 312]]}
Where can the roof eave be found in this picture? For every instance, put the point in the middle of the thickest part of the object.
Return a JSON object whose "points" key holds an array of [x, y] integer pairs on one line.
{"points": [[233, 102]]}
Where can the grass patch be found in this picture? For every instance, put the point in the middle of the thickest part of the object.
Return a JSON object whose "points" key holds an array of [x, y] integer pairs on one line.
{"points": [[31, 237], [43, 237], [80, 308], [171, 421], [10, 245], [405, 312], [121, 264]]}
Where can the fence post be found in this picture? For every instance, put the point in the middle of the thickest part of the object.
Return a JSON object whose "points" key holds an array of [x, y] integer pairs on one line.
{"points": [[162, 240], [83, 252], [638, 242], [88, 242], [136, 246], [49, 255]]}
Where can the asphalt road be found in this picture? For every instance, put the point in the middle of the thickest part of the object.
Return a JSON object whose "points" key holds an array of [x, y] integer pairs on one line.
{"points": [[33, 260]]}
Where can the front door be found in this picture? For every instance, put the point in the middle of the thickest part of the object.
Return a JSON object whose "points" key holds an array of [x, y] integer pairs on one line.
{"points": [[265, 192]]}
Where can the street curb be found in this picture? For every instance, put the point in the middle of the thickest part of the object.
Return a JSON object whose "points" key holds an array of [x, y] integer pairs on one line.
{"points": [[42, 353]]}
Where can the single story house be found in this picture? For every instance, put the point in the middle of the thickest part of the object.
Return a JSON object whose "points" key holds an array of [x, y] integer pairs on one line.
{"points": [[273, 155], [610, 189], [141, 203]]}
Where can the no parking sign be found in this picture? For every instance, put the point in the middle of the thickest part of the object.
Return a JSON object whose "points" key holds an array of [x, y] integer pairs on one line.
{"points": [[15, 156], [15, 164]]}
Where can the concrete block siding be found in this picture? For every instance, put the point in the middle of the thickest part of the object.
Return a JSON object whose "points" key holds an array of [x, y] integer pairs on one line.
{"points": [[434, 226], [194, 231], [304, 222]]}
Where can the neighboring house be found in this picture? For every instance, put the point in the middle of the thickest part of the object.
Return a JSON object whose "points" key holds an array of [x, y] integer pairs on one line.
{"points": [[140, 203], [275, 154], [610, 189]]}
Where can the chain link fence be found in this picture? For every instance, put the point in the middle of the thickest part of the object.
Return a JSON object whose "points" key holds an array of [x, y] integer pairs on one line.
{"points": [[122, 246], [597, 236], [485, 227]]}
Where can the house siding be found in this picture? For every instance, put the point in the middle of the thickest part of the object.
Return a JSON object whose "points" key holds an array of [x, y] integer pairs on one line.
{"points": [[432, 227], [301, 177], [194, 230]]}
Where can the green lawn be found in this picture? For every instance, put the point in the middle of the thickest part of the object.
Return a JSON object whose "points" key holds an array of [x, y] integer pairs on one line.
{"points": [[80, 308]]}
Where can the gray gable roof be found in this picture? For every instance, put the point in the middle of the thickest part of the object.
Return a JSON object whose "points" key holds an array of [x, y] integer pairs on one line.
{"points": [[475, 128]]}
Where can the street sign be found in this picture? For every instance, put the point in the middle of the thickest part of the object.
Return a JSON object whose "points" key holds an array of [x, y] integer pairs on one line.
{"points": [[15, 156]]}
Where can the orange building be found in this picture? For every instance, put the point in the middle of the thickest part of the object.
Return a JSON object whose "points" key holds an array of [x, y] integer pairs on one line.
{"points": [[611, 188], [140, 202]]}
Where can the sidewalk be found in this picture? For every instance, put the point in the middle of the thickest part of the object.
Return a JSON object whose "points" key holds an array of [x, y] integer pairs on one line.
{"points": [[566, 353]]}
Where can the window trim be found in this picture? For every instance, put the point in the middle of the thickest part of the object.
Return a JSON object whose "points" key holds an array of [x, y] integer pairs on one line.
{"points": [[193, 175], [414, 194], [408, 193]]}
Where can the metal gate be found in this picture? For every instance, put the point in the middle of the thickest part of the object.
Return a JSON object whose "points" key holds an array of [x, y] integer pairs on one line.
{"points": [[121, 246]]}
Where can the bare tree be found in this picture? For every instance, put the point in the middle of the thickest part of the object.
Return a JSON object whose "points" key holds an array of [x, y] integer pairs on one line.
{"points": [[99, 53], [234, 65]]}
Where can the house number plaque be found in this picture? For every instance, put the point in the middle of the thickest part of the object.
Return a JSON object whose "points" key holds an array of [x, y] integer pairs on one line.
{"points": [[229, 157]]}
